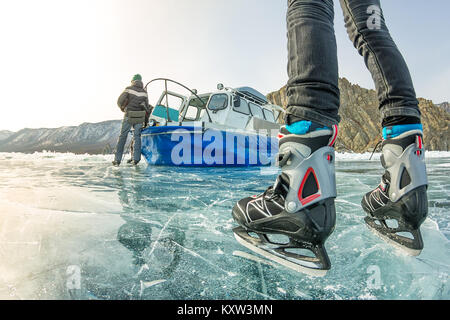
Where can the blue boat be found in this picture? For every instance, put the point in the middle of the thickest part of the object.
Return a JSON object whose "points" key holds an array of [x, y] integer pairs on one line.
{"points": [[229, 127]]}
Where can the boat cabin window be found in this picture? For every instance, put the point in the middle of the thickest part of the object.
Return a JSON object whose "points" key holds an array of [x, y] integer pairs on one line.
{"points": [[218, 102], [256, 111], [174, 102], [269, 115], [192, 113], [243, 107], [196, 108]]}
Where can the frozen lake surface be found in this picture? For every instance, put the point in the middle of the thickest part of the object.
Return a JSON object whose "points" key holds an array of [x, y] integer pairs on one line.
{"points": [[73, 227]]}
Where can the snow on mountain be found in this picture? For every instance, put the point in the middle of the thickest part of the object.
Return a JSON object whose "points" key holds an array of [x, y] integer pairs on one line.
{"points": [[4, 134], [93, 138]]}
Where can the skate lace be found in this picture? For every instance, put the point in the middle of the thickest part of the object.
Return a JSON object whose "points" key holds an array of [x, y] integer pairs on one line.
{"points": [[376, 148], [267, 197]]}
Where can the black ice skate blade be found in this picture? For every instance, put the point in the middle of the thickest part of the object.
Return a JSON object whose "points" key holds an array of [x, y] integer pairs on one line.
{"points": [[383, 236], [260, 248]]}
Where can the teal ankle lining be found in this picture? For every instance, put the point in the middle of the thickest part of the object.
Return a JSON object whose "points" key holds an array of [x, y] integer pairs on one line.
{"points": [[395, 131], [304, 127]]}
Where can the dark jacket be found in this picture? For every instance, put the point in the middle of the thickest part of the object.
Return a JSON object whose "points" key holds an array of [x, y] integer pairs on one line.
{"points": [[135, 97]]}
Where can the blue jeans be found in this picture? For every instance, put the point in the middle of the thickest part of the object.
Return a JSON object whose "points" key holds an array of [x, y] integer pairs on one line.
{"points": [[313, 92], [126, 127]]}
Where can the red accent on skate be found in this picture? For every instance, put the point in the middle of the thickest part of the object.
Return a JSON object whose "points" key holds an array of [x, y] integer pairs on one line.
{"points": [[310, 199], [281, 136], [302, 186], [419, 142], [334, 137]]}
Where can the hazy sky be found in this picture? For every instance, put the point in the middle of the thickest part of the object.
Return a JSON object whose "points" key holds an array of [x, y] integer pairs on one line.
{"points": [[64, 62]]}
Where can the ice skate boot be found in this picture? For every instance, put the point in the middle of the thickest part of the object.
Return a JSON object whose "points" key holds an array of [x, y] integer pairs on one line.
{"points": [[133, 162], [399, 205], [300, 206]]}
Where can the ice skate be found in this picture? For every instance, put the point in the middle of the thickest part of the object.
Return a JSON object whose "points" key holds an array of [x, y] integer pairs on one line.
{"points": [[299, 208], [116, 163], [133, 162], [398, 206]]}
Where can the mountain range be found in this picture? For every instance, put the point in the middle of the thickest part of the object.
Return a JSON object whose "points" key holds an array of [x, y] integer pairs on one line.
{"points": [[92, 138], [4, 134], [359, 128]]}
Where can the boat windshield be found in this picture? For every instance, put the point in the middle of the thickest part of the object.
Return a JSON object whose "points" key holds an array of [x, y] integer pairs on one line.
{"points": [[269, 115], [199, 103], [256, 111]]}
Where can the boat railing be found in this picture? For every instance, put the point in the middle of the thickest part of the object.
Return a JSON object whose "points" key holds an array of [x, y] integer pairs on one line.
{"points": [[193, 92], [249, 97]]}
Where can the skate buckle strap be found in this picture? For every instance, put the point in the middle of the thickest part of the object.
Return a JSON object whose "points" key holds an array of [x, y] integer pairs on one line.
{"points": [[283, 158]]}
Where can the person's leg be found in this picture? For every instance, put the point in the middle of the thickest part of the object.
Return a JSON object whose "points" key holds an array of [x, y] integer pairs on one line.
{"points": [[137, 143], [131, 152], [312, 90], [125, 129], [367, 30], [301, 203], [402, 194]]}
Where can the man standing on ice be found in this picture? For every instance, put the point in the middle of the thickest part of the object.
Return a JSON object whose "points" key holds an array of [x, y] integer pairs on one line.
{"points": [[134, 103], [301, 205]]}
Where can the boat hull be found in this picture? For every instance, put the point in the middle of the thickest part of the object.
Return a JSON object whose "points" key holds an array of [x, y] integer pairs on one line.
{"points": [[188, 146]]}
